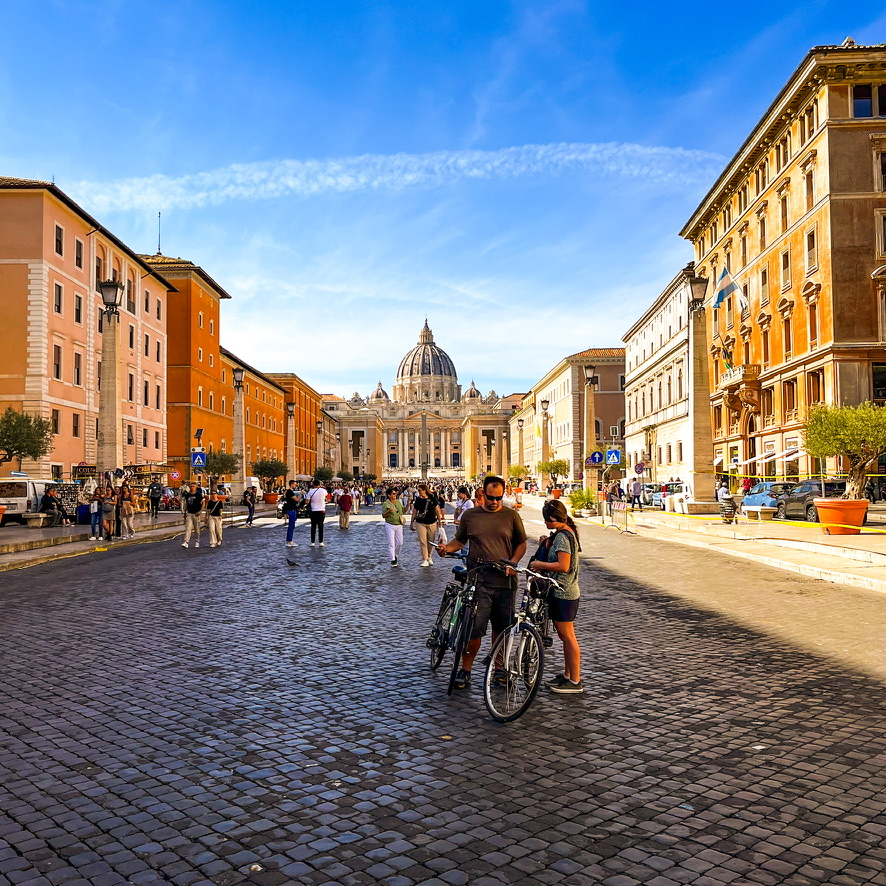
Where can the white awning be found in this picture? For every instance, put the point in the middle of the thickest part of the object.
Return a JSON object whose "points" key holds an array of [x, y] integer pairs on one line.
{"points": [[718, 460], [772, 456], [747, 461], [791, 454]]}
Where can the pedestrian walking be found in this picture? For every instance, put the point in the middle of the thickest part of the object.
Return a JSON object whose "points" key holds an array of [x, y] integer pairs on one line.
{"points": [[317, 511], [463, 504], [345, 502], [155, 495], [392, 514], [557, 556], [291, 501], [249, 499], [192, 502], [215, 511], [127, 511], [109, 510], [426, 515], [636, 492], [95, 513]]}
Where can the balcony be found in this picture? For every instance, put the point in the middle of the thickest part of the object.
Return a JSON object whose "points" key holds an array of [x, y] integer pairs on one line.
{"points": [[739, 375]]}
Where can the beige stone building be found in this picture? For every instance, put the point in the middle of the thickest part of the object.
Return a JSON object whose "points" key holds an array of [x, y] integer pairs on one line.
{"points": [[570, 412], [798, 217]]}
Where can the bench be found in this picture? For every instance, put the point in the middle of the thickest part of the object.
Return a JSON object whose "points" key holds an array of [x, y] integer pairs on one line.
{"points": [[36, 520], [758, 512]]}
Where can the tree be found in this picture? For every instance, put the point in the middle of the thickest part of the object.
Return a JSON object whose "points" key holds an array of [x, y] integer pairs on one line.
{"points": [[857, 433], [347, 476], [517, 473], [24, 436], [219, 464], [268, 470], [556, 468], [323, 474], [368, 478]]}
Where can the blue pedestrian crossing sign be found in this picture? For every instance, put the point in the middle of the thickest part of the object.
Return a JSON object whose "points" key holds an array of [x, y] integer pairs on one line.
{"points": [[613, 456], [198, 459]]}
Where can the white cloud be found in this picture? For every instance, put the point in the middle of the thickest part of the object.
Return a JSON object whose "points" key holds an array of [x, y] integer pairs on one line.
{"points": [[377, 172]]}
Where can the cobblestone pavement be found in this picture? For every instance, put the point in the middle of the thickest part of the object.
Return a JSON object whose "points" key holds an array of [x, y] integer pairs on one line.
{"points": [[220, 717]]}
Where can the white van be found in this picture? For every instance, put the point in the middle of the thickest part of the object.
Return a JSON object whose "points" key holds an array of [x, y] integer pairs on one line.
{"points": [[21, 495]]}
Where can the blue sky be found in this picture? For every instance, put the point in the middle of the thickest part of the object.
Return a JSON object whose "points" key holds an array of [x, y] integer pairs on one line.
{"points": [[516, 172]]}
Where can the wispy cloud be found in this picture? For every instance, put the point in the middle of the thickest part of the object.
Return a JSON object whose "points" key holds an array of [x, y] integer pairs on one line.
{"points": [[379, 172]]}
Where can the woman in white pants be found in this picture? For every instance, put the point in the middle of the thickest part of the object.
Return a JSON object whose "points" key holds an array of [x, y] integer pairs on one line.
{"points": [[392, 514]]}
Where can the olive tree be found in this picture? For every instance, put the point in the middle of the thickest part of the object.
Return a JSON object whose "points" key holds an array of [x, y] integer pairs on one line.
{"points": [[24, 436], [857, 433]]}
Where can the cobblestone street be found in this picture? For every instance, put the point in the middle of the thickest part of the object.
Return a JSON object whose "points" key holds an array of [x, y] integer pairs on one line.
{"points": [[221, 717]]}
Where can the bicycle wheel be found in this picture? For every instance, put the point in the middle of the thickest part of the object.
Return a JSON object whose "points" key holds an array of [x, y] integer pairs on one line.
{"points": [[440, 632], [461, 634], [513, 675]]}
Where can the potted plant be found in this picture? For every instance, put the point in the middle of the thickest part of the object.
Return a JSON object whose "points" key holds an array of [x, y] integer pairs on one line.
{"points": [[583, 503], [556, 468], [268, 470], [858, 435]]}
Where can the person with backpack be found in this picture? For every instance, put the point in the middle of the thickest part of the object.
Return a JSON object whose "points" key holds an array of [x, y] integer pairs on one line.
{"points": [[291, 501], [249, 500], [557, 556]]}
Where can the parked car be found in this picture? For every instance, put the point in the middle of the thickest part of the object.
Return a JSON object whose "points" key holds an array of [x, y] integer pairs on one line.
{"points": [[21, 495], [766, 493], [659, 496], [649, 490], [797, 501]]}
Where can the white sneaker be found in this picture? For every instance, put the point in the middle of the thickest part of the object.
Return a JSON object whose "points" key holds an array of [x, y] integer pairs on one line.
{"points": [[291, 544], [185, 545], [322, 544], [212, 544], [312, 544], [92, 538], [425, 562], [196, 544]]}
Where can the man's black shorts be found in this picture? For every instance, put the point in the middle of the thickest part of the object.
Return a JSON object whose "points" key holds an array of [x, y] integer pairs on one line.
{"points": [[495, 606]]}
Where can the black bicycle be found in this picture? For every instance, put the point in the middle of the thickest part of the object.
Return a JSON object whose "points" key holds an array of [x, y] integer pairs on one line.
{"points": [[515, 666], [455, 618]]}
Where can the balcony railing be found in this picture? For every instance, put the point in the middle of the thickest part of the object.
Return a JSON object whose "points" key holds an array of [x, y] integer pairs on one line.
{"points": [[739, 374]]}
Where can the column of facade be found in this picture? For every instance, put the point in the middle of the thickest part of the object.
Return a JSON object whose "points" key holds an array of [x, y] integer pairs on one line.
{"points": [[400, 461], [444, 448]]}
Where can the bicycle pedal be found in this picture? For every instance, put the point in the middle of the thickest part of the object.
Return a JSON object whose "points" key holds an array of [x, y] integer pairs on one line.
{"points": [[548, 642], [432, 643]]}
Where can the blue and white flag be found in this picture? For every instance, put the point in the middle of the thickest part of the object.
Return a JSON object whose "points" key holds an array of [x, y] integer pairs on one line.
{"points": [[725, 287]]}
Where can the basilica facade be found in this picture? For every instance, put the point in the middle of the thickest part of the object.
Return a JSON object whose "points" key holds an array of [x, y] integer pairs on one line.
{"points": [[426, 427]]}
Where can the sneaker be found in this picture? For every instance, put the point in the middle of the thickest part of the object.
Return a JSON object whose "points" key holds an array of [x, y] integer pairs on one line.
{"points": [[196, 544], [322, 544], [212, 544], [395, 562], [462, 679], [312, 544], [290, 544], [425, 562], [185, 544], [567, 687], [92, 538], [559, 680]]}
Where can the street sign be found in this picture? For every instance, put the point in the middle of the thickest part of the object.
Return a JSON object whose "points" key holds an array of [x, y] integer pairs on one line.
{"points": [[198, 459], [613, 456], [596, 457], [175, 475], [640, 467]]}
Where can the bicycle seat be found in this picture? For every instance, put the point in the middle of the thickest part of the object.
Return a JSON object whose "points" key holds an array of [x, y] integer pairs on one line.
{"points": [[460, 572]]}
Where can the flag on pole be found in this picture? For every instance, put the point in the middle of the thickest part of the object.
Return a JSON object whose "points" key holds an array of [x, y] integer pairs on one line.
{"points": [[725, 287]]}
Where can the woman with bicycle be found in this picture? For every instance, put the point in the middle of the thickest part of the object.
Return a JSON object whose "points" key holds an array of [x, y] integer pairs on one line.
{"points": [[557, 555]]}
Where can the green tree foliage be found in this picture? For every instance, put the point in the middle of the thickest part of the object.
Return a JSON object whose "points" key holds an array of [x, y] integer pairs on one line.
{"points": [[559, 467], [221, 464], [347, 476], [24, 436], [268, 470], [858, 433], [323, 474], [517, 472], [369, 478]]}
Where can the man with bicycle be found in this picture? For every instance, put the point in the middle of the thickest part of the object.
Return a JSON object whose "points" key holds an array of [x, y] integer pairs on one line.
{"points": [[494, 533]]}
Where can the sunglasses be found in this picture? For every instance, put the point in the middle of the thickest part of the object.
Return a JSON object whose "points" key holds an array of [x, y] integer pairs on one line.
{"points": [[494, 497]]}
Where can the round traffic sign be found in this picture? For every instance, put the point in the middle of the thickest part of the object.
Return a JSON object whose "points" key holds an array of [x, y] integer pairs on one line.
{"points": [[640, 467], [596, 457], [175, 475]]}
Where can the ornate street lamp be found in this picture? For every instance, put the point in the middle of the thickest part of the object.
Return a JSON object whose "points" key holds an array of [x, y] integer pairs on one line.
{"points": [[590, 419], [109, 454], [238, 486], [290, 440]]}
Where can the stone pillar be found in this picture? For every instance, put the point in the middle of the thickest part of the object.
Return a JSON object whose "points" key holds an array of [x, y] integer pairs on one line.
{"points": [[110, 421]]}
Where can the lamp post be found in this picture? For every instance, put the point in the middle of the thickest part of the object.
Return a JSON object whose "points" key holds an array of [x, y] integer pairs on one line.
{"points": [[590, 422], [505, 454], [337, 464], [109, 455], [545, 443], [238, 486], [520, 442], [290, 440], [319, 442]]}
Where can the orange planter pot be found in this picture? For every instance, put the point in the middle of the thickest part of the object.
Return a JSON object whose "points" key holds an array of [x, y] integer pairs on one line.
{"points": [[841, 517], [270, 498], [556, 492]]}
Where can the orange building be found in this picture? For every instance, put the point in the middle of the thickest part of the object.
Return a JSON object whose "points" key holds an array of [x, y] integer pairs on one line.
{"points": [[306, 413], [52, 254], [798, 218]]}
